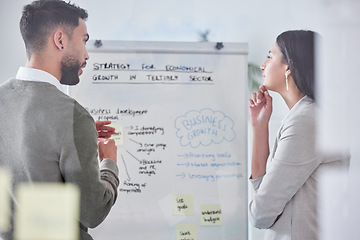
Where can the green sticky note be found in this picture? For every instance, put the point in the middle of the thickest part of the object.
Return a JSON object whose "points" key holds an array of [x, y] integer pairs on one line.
{"points": [[5, 200], [186, 232], [119, 135], [47, 211], [183, 204], [211, 214]]}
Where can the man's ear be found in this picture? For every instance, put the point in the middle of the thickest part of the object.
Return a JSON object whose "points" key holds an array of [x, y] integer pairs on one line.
{"points": [[59, 39]]}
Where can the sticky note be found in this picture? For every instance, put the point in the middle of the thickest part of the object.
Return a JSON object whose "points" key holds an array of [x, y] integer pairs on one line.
{"points": [[5, 201], [186, 232], [118, 136], [211, 214], [183, 204], [165, 205], [47, 211]]}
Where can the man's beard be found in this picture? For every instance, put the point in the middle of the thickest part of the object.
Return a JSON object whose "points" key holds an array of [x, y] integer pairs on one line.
{"points": [[70, 71]]}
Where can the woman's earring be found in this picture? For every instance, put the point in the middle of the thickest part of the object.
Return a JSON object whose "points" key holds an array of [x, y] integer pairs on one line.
{"points": [[287, 82]]}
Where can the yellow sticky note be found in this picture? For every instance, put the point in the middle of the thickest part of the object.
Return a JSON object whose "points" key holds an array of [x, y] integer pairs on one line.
{"points": [[5, 201], [47, 211], [211, 214], [119, 135], [186, 232], [183, 204]]}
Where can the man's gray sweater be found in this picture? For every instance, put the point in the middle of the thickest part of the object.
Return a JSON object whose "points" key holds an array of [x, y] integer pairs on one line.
{"points": [[46, 136]]}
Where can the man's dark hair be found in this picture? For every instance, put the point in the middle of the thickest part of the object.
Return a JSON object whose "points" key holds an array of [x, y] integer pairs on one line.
{"points": [[298, 49], [42, 17]]}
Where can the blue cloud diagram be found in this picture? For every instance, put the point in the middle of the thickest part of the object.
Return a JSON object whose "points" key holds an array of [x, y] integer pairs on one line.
{"points": [[204, 127]]}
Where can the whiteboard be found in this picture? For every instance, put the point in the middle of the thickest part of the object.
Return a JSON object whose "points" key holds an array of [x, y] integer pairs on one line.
{"points": [[181, 111]]}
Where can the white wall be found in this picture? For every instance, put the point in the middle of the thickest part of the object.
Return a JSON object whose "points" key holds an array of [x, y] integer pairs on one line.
{"points": [[11, 46], [257, 22]]}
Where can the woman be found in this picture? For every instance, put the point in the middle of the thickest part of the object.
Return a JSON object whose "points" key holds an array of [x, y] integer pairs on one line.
{"points": [[285, 179]]}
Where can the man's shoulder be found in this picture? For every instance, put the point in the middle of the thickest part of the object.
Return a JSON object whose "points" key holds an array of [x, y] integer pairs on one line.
{"points": [[79, 109], [42, 88], [44, 96], [5, 86]]}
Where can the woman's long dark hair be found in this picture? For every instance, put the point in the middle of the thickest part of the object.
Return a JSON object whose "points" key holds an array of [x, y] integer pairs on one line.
{"points": [[298, 49]]}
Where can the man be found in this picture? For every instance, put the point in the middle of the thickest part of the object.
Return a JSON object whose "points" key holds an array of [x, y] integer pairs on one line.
{"points": [[46, 136]]}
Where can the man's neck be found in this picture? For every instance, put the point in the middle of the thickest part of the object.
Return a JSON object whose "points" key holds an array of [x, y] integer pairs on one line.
{"points": [[46, 64]]}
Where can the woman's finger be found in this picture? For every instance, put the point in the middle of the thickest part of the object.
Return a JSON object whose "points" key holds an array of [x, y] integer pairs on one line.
{"points": [[251, 103], [259, 97]]}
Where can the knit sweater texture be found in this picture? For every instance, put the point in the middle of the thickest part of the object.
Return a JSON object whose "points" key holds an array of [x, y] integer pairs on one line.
{"points": [[46, 136]]}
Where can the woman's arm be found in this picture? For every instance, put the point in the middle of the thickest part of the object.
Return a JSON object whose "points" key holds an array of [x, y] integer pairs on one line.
{"points": [[260, 107], [294, 159]]}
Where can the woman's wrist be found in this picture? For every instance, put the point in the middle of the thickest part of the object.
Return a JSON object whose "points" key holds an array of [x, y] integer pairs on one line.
{"points": [[260, 128]]}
